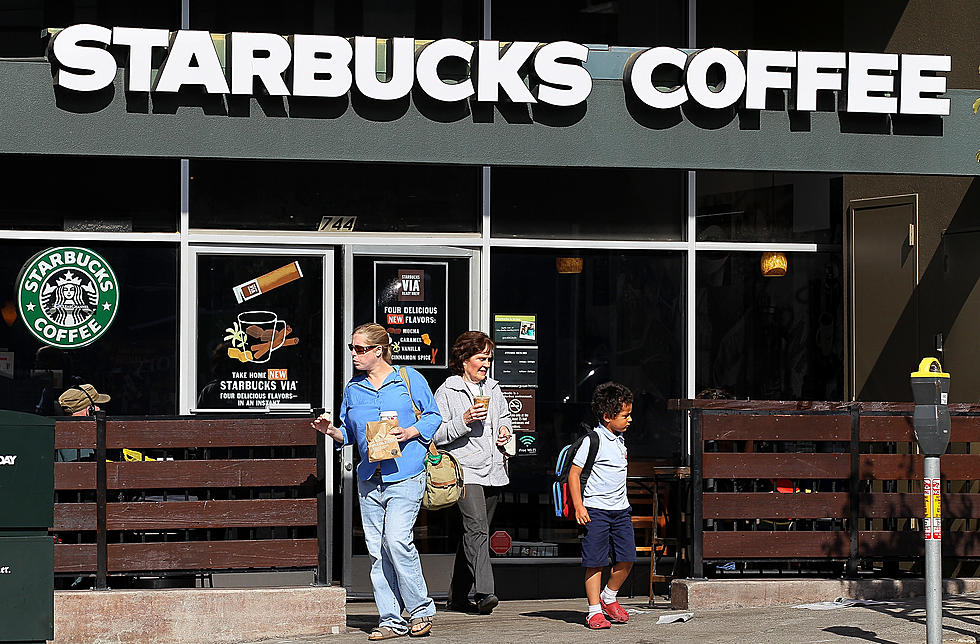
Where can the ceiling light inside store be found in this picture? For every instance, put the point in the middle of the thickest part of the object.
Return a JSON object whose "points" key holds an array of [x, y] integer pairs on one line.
{"points": [[774, 264], [9, 312], [569, 265]]}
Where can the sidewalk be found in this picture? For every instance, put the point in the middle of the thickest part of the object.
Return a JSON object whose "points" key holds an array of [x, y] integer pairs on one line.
{"points": [[562, 621]]}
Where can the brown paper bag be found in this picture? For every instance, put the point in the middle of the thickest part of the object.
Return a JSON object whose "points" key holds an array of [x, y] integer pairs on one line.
{"points": [[381, 444]]}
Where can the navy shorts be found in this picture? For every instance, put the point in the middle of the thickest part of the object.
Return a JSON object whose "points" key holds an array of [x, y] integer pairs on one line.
{"points": [[608, 529]]}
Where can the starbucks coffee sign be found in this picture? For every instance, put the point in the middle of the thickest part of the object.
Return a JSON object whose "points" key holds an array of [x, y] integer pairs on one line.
{"points": [[553, 73], [68, 297]]}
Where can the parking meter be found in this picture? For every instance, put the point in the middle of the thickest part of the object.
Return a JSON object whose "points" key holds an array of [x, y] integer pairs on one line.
{"points": [[930, 389]]}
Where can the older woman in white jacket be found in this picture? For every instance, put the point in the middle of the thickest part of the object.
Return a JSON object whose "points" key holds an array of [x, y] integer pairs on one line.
{"points": [[478, 437]]}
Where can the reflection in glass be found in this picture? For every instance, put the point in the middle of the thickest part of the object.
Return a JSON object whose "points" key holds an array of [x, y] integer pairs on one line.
{"points": [[588, 203], [620, 319], [134, 362], [250, 195], [769, 338], [769, 206]]}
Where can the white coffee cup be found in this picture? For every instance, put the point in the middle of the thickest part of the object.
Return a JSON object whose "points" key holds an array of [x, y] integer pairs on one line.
{"points": [[390, 415]]}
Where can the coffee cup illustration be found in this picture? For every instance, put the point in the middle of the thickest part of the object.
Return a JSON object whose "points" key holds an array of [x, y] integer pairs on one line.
{"points": [[268, 331]]}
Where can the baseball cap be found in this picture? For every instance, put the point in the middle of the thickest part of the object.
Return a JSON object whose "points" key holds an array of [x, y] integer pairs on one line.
{"points": [[75, 399]]}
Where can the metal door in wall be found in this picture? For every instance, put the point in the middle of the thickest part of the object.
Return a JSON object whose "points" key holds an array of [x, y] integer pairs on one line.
{"points": [[881, 302], [425, 297]]}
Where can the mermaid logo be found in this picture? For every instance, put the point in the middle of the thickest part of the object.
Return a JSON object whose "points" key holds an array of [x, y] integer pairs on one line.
{"points": [[68, 296]]}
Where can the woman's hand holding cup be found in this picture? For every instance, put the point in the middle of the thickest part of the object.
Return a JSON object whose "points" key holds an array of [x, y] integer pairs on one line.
{"points": [[476, 412], [323, 425]]}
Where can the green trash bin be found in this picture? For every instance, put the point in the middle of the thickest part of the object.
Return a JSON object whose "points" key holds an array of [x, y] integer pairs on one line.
{"points": [[26, 513]]}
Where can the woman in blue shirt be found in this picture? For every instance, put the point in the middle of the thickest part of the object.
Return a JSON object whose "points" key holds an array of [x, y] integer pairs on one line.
{"points": [[390, 491]]}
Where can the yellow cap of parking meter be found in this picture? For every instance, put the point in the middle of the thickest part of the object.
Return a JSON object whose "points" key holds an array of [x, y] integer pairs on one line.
{"points": [[926, 369]]}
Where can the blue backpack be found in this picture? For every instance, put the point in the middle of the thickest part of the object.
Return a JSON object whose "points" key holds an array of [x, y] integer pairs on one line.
{"points": [[561, 498]]}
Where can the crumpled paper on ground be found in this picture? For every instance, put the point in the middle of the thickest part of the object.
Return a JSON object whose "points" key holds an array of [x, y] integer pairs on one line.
{"points": [[841, 602], [676, 617]]}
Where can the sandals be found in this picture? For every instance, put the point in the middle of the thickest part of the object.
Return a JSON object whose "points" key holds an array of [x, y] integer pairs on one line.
{"points": [[420, 626], [384, 633]]}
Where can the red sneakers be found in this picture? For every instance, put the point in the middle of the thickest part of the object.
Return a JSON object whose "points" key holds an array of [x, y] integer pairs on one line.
{"points": [[597, 622], [615, 612]]}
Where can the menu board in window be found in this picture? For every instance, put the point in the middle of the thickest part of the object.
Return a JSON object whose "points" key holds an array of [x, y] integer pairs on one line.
{"points": [[412, 301], [260, 331]]}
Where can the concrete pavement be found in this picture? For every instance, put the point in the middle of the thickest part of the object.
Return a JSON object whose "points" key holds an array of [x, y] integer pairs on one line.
{"points": [[562, 621]]}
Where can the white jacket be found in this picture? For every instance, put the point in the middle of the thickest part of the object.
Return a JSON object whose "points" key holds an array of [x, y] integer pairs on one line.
{"points": [[474, 445]]}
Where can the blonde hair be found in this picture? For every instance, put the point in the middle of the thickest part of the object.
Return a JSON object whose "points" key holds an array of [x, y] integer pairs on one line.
{"points": [[374, 333]]}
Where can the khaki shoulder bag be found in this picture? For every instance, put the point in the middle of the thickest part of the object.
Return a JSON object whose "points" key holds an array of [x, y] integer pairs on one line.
{"points": [[443, 474]]}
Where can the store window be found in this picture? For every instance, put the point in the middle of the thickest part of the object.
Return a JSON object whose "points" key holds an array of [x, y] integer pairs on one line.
{"points": [[22, 22], [769, 206], [337, 197], [598, 316], [769, 338], [89, 194], [134, 361], [836, 25], [259, 331], [635, 23], [423, 19], [588, 203]]}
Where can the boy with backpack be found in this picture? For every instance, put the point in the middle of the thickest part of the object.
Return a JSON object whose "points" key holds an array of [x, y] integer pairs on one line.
{"points": [[602, 506]]}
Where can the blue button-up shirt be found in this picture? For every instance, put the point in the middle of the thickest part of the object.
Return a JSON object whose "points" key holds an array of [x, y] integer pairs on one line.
{"points": [[363, 403]]}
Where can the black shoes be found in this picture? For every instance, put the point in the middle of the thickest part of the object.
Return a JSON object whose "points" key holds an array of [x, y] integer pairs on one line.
{"points": [[486, 603], [461, 607]]}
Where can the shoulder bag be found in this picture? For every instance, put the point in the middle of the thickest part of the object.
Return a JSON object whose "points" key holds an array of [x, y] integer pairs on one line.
{"points": [[443, 474]]}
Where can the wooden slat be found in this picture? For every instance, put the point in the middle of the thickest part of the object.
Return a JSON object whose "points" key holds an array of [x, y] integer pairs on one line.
{"points": [[773, 505], [726, 406], [886, 428], [775, 545], [148, 475], [761, 466], [775, 428], [833, 545], [910, 504], [187, 432], [176, 515], [190, 555], [889, 467]]}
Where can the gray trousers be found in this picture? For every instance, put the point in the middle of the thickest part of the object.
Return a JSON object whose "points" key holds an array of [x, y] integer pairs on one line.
{"points": [[471, 568]]}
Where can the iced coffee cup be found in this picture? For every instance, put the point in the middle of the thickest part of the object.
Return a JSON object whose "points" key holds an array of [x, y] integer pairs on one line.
{"points": [[482, 401]]}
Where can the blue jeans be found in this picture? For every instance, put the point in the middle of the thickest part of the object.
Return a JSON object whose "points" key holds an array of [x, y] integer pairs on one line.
{"points": [[388, 512]]}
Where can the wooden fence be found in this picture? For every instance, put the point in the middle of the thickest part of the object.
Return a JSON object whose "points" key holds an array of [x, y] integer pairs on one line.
{"points": [[823, 481], [222, 494]]}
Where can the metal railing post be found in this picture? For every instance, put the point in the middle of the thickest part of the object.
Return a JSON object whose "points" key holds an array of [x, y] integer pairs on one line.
{"points": [[697, 484], [101, 541], [853, 492]]}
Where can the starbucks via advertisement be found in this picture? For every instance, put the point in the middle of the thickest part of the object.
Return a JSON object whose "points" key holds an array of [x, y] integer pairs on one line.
{"points": [[67, 296]]}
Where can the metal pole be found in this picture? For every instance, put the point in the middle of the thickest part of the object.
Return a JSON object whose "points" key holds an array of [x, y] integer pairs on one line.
{"points": [[696, 489], [933, 539], [101, 545]]}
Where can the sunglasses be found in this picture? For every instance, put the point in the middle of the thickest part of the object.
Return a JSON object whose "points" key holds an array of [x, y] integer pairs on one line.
{"points": [[361, 350]]}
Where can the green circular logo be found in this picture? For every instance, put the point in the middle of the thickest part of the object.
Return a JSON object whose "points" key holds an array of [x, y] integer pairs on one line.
{"points": [[67, 296]]}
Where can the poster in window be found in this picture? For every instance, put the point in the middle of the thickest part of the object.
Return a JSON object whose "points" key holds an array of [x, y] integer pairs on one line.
{"points": [[412, 301], [260, 328]]}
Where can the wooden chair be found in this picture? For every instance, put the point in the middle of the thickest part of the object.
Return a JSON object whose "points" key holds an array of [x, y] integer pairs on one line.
{"points": [[649, 524]]}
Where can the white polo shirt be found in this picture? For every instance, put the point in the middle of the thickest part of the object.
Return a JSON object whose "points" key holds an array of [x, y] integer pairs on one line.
{"points": [[606, 487]]}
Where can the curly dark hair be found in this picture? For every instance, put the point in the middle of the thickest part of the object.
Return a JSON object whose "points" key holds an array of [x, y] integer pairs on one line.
{"points": [[467, 345], [608, 399]]}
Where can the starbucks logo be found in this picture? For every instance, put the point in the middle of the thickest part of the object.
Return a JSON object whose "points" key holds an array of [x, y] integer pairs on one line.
{"points": [[68, 296]]}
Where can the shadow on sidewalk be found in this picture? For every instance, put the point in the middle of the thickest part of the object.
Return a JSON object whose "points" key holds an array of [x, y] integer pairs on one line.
{"points": [[567, 616], [365, 623], [859, 633]]}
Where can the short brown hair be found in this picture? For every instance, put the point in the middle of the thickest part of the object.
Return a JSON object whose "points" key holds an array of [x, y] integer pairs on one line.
{"points": [[467, 345], [376, 335]]}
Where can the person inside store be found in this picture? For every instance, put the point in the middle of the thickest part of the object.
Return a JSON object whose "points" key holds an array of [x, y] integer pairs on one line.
{"points": [[79, 400], [476, 430], [389, 490]]}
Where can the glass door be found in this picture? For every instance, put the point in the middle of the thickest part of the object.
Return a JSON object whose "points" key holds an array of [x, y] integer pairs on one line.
{"points": [[425, 297]]}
